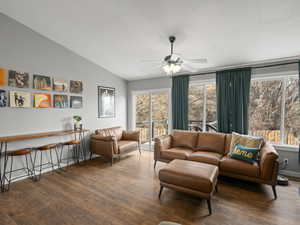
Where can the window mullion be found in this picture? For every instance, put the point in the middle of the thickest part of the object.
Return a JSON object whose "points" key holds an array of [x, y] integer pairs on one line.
{"points": [[282, 130], [204, 109]]}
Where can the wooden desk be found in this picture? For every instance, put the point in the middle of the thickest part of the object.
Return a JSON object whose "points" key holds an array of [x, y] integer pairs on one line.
{"points": [[8, 139]]}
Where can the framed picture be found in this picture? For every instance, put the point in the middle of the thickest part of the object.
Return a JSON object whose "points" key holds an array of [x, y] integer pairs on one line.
{"points": [[42, 100], [76, 86], [18, 79], [60, 101], [60, 85], [106, 102], [3, 75], [3, 98], [76, 102], [41, 82], [20, 99]]}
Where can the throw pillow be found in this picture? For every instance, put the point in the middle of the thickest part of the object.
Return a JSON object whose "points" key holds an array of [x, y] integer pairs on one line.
{"points": [[245, 140], [246, 154]]}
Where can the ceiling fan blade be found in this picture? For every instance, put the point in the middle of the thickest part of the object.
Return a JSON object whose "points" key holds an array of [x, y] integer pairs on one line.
{"points": [[200, 60], [151, 60], [188, 68]]}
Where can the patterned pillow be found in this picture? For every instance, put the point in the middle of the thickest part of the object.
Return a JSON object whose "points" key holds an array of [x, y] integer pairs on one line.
{"points": [[243, 153], [246, 141]]}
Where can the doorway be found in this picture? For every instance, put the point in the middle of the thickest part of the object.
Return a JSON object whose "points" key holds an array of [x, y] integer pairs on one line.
{"points": [[152, 115]]}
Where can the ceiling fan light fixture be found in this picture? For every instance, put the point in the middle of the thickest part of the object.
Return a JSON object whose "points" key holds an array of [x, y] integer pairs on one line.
{"points": [[171, 68]]}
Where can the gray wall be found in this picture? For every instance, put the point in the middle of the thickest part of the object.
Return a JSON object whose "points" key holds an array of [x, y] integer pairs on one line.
{"points": [[24, 50], [293, 168]]}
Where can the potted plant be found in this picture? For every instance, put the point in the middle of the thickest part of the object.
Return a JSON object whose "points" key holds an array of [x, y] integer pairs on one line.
{"points": [[77, 124]]}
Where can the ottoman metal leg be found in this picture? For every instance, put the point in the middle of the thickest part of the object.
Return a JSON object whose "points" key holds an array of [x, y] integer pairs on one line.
{"points": [[209, 206], [160, 191]]}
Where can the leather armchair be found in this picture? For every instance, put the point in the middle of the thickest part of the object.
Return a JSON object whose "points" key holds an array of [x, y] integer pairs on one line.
{"points": [[113, 142]]}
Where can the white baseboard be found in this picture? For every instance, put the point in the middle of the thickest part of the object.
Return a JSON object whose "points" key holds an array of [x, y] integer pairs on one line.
{"points": [[290, 173]]}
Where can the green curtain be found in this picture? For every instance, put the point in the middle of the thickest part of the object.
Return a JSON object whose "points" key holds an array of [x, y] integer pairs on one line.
{"points": [[233, 88], [180, 92]]}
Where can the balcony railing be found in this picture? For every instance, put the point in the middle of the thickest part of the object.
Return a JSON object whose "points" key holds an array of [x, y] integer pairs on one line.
{"points": [[159, 128]]}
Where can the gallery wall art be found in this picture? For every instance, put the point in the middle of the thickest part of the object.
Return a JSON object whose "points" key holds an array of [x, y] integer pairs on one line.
{"points": [[20, 99], [76, 102], [18, 79], [41, 82], [60, 101], [42, 100], [23, 99], [3, 74], [3, 98], [76, 87], [60, 85], [106, 102]]}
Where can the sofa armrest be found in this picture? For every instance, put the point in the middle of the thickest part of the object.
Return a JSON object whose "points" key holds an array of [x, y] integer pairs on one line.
{"points": [[160, 144], [131, 135], [105, 146], [268, 163]]}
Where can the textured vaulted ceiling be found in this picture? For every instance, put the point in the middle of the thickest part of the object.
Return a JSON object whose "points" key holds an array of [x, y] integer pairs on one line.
{"points": [[119, 34]]}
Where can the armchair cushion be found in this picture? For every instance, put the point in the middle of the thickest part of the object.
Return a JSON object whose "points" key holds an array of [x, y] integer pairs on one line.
{"points": [[131, 135], [125, 146], [103, 138], [114, 131]]}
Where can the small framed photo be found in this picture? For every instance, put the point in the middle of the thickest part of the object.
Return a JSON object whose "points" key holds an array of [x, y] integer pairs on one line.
{"points": [[60, 85], [76, 102], [3, 98], [18, 79], [76, 86], [41, 82], [106, 102]]}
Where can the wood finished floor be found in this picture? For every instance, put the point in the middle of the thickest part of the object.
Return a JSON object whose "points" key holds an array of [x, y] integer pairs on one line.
{"points": [[126, 194]]}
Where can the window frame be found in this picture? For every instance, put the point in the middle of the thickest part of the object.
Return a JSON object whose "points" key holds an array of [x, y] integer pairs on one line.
{"points": [[281, 145], [204, 83]]}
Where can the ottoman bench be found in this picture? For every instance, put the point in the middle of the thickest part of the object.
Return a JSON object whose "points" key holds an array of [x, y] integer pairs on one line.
{"points": [[195, 178]]}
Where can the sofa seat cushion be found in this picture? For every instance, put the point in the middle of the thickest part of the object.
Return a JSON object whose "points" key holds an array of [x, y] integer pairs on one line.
{"points": [[230, 165], [176, 153], [206, 157], [125, 146], [213, 142]]}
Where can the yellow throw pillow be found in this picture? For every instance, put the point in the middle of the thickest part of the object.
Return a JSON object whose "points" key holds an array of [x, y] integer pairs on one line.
{"points": [[245, 140]]}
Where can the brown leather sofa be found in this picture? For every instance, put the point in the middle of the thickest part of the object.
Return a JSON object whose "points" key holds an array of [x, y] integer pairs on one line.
{"points": [[113, 142], [212, 148]]}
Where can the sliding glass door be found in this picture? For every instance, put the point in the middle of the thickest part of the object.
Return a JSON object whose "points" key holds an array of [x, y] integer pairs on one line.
{"points": [[152, 115]]}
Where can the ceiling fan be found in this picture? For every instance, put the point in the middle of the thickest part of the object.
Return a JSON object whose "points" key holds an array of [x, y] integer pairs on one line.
{"points": [[173, 63]]}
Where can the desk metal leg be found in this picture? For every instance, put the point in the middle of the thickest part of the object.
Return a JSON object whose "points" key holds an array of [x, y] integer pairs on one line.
{"points": [[3, 159]]}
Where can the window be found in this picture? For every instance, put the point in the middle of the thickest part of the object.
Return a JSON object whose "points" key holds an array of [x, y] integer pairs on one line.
{"points": [[274, 111], [202, 107]]}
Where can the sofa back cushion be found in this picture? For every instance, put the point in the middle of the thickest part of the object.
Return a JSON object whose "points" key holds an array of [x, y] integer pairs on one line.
{"points": [[211, 142], [113, 131], [187, 139]]}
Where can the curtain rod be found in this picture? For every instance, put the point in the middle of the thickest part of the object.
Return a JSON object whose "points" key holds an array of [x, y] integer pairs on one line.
{"points": [[252, 67]]}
